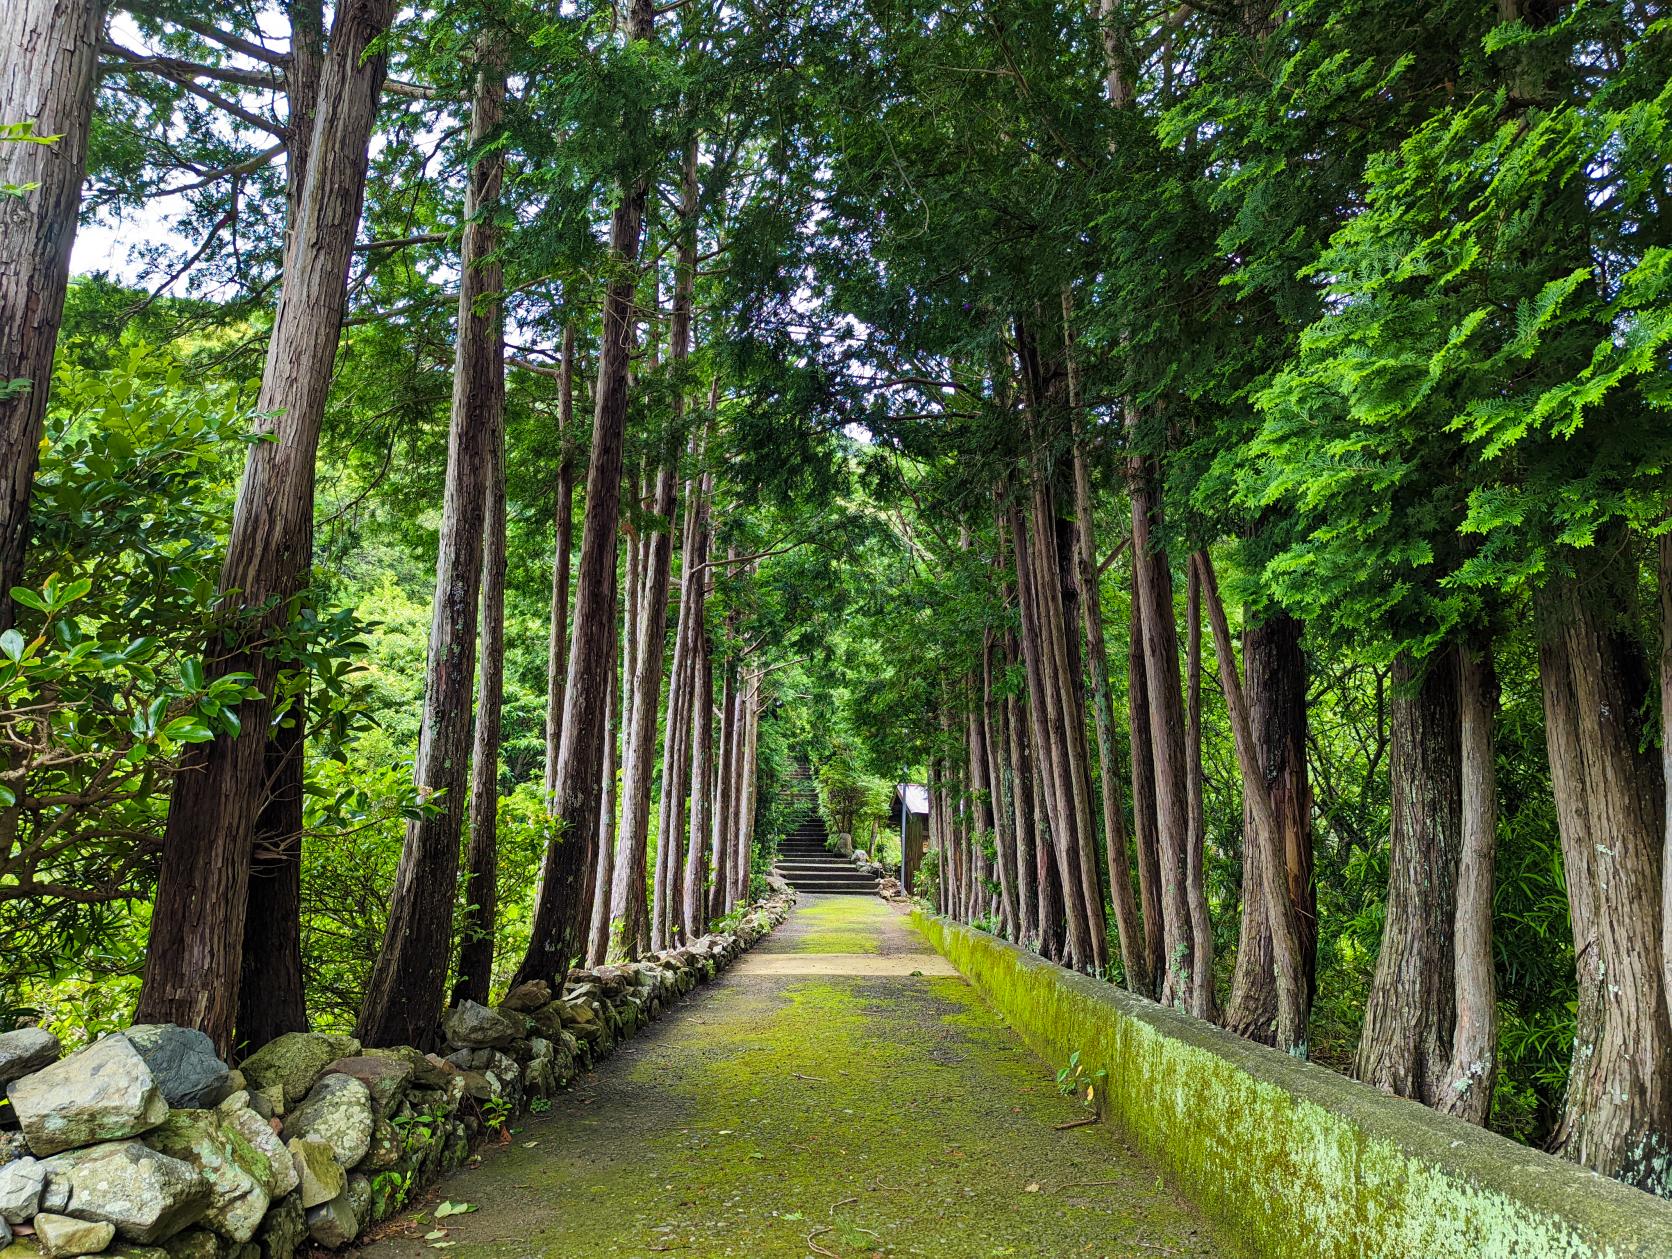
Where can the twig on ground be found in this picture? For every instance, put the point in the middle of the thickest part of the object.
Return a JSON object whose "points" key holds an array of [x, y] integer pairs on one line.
{"points": [[816, 1079], [814, 1246], [844, 1202], [1077, 1123]]}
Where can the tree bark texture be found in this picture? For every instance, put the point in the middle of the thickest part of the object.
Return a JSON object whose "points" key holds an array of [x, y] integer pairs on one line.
{"points": [[601, 876], [719, 900], [1018, 792], [1128, 925], [1153, 592], [1467, 1091], [271, 996], [748, 727], [1004, 832], [1618, 1114], [197, 923], [628, 902], [48, 74], [1405, 1047], [563, 545], [695, 902], [561, 907], [1144, 826], [1201, 929], [481, 897], [403, 999], [1274, 667], [1046, 723], [1293, 1003], [272, 999]]}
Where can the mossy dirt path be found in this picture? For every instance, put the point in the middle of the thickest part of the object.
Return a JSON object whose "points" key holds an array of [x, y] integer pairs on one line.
{"points": [[838, 1092]]}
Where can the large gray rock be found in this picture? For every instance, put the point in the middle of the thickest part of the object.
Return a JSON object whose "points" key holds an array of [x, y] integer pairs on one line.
{"points": [[26, 1051], [239, 1176], [338, 1112], [62, 1237], [333, 1224], [385, 1076], [471, 1026], [101, 1093], [148, 1196], [21, 1183], [183, 1062], [529, 996], [294, 1061], [281, 1168], [318, 1174]]}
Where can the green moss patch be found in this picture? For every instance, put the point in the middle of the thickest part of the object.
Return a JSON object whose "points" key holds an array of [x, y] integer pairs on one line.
{"points": [[1296, 1159], [891, 1115]]}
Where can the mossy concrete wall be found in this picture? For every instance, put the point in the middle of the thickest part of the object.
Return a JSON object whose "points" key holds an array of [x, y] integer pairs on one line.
{"points": [[1295, 1159]]}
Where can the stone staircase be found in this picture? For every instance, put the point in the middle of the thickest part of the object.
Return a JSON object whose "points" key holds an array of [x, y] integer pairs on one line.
{"points": [[803, 860]]}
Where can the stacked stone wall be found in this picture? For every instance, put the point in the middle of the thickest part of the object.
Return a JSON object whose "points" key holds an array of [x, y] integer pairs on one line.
{"points": [[145, 1145]]}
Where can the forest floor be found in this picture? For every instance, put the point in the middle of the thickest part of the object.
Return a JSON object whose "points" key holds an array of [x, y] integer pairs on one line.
{"points": [[838, 1092]]}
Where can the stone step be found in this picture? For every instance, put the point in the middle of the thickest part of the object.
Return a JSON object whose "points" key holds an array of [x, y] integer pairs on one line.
{"points": [[838, 889]]}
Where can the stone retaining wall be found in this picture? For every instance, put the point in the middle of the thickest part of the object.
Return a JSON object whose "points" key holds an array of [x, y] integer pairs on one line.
{"points": [[144, 1145], [1293, 1159]]}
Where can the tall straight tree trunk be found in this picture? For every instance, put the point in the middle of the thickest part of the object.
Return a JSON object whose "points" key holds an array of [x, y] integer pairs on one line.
{"points": [[1153, 591], [1467, 1090], [625, 628], [561, 904], [1618, 1114], [670, 849], [1128, 925], [678, 773], [1004, 833], [193, 963], [475, 977], [743, 811], [301, 88], [1293, 1005], [676, 741], [1201, 929], [982, 823], [48, 74], [1047, 888], [628, 899], [272, 1000], [271, 996], [1405, 1047], [1046, 725], [403, 999], [1665, 579], [1144, 826], [702, 757], [1018, 788], [1274, 667], [719, 900], [602, 875], [1071, 685], [938, 836], [557, 643]]}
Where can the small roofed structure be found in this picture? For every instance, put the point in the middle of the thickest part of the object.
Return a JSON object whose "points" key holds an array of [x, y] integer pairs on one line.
{"points": [[909, 814]]}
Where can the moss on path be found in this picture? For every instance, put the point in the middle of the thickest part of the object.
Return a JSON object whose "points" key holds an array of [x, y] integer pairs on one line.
{"points": [[783, 1115]]}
